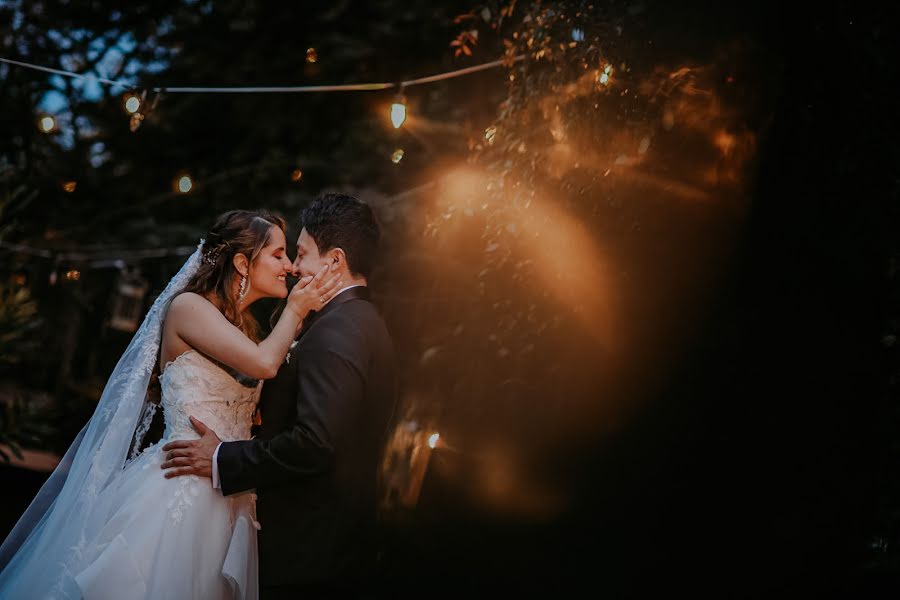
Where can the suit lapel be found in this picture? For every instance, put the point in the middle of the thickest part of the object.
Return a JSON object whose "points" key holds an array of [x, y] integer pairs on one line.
{"points": [[279, 394]]}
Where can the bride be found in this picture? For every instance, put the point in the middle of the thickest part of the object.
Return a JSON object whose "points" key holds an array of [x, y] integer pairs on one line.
{"points": [[107, 523]]}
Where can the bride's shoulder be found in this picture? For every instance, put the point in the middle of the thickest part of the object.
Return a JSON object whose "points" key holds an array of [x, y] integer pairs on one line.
{"points": [[190, 303]]}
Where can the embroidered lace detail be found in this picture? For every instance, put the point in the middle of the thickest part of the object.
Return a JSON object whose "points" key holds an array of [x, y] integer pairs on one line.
{"points": [[184, 495], [193, 385]]}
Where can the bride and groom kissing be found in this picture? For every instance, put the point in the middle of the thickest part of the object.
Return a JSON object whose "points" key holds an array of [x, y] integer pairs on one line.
{"points": [[181, 518]]}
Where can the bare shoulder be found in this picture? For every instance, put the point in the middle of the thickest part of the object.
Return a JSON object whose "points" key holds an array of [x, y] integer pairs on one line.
{"points": [[190, 304]]}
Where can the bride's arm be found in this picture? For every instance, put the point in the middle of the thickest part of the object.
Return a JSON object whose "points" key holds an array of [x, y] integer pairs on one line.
{"points": [[203, 327]]}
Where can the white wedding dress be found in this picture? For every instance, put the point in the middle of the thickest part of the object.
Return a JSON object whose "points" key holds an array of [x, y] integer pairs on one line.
{"points": [[108, 524], [178, 537]]}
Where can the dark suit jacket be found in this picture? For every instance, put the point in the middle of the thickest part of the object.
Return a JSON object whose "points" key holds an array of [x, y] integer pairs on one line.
{"points": [[314, 461]]}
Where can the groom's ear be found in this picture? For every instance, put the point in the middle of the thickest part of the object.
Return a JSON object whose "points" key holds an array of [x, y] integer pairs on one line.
{"points": [[241, 264], [336, 257]]}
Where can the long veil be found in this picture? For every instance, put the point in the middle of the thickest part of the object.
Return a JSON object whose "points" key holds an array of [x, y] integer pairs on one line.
{"points": [[56, 527]]}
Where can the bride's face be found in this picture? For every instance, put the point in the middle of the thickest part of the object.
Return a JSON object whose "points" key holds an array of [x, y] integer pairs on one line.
{"points": [[267, 273]]}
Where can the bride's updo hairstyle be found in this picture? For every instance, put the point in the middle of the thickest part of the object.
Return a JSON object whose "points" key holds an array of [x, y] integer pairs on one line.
{"points": [[235, 232]]}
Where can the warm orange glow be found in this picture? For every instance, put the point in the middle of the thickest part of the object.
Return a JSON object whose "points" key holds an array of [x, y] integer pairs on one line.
{"points": [[725, 142], [570, 266], [311, 55], [73, 275], [297, 175], [69, 186]]}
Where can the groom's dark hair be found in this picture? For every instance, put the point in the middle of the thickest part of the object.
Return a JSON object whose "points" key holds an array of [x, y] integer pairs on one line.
{"points": [[341, 221]]}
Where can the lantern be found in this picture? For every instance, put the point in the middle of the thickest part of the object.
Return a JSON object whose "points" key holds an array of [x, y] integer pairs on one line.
{"points": [[128, 302]]}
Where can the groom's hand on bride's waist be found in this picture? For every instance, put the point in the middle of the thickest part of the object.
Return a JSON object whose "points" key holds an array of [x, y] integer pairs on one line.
{"points": [[191, 457]]}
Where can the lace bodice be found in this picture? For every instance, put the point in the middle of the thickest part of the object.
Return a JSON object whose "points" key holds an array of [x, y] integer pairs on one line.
{"points": [[193, 385]]}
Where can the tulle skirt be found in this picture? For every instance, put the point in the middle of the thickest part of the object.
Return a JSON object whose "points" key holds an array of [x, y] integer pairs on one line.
{"points": [[152, 537]]}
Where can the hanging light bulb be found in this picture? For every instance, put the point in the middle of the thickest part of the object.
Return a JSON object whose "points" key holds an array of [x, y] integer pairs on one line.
{"points": [[184, 184], [132, 104], [47, 124], [604, 75], [398, 111]]}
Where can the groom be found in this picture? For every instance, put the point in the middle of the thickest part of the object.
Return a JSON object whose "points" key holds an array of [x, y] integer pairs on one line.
{"points": [[324, 417]]}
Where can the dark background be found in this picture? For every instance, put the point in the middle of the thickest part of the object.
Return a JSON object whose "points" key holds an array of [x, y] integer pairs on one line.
{"points": [[763, 452]]}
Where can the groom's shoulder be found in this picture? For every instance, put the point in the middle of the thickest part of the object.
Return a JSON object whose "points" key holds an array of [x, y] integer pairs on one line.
{"points": [[354, 321], [354, 314]]}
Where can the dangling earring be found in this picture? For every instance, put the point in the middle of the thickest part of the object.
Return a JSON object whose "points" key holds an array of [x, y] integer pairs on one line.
{"points": [[243, 291]]}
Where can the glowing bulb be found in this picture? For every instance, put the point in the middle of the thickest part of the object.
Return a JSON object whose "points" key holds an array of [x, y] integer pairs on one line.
{"points": [[185, 184], [73, 275], [397, 156], [433, 439], [132, 104], [398, 112], [47, 124], [605, 75], [69, 186], [297, 175], [311, 55]]}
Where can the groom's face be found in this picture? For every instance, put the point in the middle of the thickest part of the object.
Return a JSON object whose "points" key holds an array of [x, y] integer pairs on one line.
{"points": [[308, 261]]}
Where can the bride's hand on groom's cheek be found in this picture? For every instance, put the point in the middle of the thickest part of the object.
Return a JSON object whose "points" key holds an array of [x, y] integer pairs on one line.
{"points": [[312, 293], [191, 457]]}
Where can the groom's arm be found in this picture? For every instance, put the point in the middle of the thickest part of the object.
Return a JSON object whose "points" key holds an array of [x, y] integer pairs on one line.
{"points": [[329, 395]]}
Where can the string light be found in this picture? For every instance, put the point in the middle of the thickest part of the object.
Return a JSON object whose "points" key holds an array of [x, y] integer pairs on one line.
{"points": [[605, 75], [132, 104], [185, 184], [397, 156], [47, 124], [358, 87], [297, 175], [398, 111]]}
